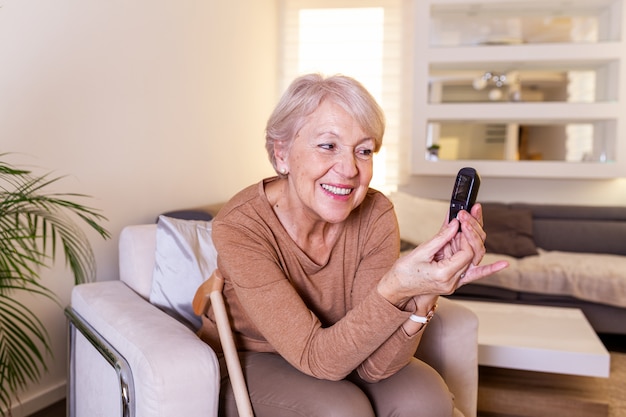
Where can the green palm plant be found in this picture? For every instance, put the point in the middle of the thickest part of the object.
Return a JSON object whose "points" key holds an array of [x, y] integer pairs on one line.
{"points": [[33, 222]]}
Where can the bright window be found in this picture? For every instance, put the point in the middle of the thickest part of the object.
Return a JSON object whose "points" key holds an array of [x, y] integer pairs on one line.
{"points": [[361, 39]]}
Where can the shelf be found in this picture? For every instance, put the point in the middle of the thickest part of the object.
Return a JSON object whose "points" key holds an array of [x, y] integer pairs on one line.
{"points": [[569, 108], [525, 169], [541, 113], [517, 4], [520, 56]]}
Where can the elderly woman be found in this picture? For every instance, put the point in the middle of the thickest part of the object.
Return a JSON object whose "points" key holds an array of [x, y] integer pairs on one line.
{"points": [[326, 316]]}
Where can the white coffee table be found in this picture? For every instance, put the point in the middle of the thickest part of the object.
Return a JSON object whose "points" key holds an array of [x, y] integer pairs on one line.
{"points": [[537, 338]]}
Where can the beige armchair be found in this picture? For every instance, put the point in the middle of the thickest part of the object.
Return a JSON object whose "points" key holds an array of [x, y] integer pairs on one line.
{"points": [[129, 358]]}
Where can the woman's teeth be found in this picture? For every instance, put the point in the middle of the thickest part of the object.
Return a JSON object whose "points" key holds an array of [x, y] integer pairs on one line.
{"points": [[337, 190]]}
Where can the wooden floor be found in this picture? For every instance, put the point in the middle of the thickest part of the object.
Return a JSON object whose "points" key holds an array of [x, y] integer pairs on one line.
{"points": [[512, 393], [507, 392]]}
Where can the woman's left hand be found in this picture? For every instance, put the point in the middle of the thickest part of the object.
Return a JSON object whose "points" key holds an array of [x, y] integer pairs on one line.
{"points": [[471, 230]]}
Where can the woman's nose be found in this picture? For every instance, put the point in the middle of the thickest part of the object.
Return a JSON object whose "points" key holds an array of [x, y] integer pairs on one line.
{"points": [[347, 165]]}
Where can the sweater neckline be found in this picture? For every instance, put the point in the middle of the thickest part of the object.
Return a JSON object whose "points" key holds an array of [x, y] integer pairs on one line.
{"points": [[281, 233]]}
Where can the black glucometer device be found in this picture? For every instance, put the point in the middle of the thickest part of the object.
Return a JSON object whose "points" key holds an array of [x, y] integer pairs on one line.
{"points": [[464, 192]]}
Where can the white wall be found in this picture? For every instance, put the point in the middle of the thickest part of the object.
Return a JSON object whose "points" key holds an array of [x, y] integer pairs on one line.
{"points": [[147, 105]]}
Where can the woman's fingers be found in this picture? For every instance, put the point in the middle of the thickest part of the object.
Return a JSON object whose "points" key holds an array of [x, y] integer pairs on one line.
{"points": [[437, 244], [477, 212], [474, 273], [471, 229], [445, 262]]}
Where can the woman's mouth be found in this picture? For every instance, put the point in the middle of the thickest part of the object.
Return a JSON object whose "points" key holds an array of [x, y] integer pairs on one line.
{"points": [[340, 191]]}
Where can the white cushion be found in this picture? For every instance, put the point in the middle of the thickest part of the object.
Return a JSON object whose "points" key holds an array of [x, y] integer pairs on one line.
{"points": [[136, 252], [185, 257], [419, 218]]}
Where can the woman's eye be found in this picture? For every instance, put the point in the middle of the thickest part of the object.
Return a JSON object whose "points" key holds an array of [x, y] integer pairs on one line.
{"points": [[365, 153], [327, 146]]}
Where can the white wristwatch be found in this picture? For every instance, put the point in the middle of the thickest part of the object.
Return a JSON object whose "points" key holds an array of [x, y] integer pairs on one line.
{"points": [[424, 319]]}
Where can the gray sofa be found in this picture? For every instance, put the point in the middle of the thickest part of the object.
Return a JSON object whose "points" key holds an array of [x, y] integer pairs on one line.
{"points": [[570, 256], [559, 255]]}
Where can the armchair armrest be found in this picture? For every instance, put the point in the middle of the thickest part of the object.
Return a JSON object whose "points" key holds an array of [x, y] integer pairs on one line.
{"points": [[174, 372], [450, 345]]}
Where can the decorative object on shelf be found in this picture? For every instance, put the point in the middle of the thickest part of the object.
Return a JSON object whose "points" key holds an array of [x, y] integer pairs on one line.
{"points": [[433, 152], [33, 224], [498, 81]]}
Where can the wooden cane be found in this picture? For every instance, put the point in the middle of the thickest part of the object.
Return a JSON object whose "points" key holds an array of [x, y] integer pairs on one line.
{"points": [[210, 293]]}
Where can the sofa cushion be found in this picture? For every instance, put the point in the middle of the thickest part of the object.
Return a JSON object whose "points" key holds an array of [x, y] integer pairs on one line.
{"points": [[185, 258], [593, 277], [419, 218], [585, 229], [509, 230], [137, 247]]}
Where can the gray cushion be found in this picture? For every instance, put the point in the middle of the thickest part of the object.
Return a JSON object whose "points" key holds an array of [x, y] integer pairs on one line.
{"points": [[509, 231], [588, 229]]}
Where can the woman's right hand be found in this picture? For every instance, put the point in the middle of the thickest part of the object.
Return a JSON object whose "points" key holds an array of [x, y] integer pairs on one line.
{"points": [[436, 267]]}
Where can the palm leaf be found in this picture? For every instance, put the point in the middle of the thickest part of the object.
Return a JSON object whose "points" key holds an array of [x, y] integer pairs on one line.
{"points": [[21, 357], [33, 225]]}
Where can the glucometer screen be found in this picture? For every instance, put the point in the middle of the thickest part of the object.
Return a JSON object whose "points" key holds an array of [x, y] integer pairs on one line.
{"points": [[462, 187]]}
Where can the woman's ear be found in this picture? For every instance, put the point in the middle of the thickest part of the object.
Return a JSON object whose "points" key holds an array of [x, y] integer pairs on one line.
{"points": [[281, 154]]}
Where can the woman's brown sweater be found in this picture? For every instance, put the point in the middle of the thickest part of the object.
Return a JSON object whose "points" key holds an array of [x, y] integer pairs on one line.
{"points": [[326, 320]]}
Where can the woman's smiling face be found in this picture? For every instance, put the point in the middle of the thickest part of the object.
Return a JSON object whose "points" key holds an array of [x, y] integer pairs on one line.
{"points": [[330, 164]]}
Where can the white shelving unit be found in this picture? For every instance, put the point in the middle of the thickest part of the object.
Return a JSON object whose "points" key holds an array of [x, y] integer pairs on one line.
{"points": [[536, 40]]}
